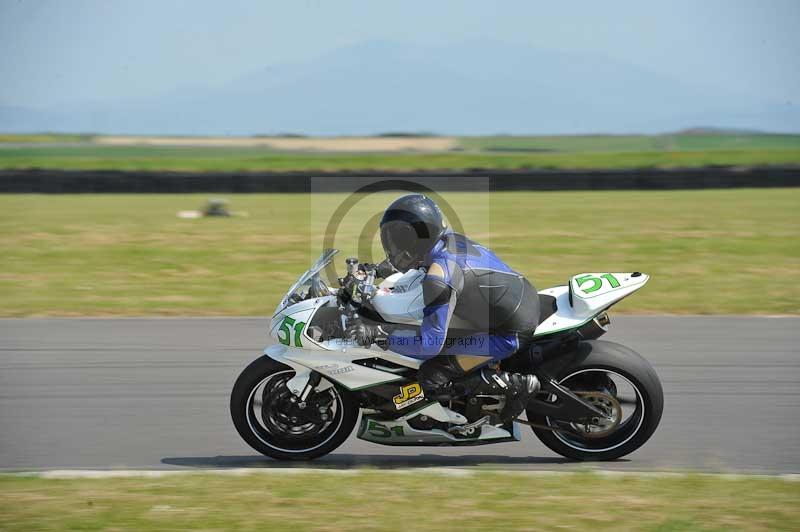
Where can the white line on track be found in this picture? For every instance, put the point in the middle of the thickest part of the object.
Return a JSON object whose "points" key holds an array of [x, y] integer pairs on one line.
{"points": [[444, 471]]}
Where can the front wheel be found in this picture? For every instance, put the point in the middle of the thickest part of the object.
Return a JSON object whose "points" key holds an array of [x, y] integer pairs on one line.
{"points": [[274, 422], [618, 381]]}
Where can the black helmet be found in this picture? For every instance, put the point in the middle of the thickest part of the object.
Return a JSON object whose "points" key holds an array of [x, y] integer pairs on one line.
{"points": [[410, 228]]}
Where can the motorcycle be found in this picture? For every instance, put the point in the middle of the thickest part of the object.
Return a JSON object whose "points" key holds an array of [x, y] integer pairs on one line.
{"points": [[598, 400]]}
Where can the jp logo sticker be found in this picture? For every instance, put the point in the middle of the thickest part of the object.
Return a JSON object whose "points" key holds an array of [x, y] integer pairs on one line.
{"points": [[409, 394]]}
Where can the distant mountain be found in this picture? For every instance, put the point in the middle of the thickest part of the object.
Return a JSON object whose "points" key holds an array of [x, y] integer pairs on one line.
{"points": [[471, 88]]}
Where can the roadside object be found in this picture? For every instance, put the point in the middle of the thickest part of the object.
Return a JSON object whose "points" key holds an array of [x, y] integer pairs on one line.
{"points": [[214, 207]]}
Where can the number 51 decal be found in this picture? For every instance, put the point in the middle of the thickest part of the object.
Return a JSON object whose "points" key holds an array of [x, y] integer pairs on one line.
{"points": [[597, 282], [286, 338]]}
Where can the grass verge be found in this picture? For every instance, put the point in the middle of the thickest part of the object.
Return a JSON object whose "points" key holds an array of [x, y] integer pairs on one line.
{"points": [[633, 143], [371, 500], [709, 252], [515, 156]]}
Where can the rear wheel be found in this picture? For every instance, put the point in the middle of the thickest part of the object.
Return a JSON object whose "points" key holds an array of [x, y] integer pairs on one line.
{"points": [[274, 422], [617, 381]]}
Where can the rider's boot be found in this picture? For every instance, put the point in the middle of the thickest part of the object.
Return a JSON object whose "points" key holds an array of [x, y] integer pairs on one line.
{"points": [[517, 388], [436, 376], [443, 378]]}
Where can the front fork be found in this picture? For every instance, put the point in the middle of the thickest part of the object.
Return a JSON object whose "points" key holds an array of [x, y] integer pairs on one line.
{"points": [[311, 383]]}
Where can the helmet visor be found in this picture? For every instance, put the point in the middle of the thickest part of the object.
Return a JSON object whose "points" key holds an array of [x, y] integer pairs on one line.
{"points": [[404, 248]]}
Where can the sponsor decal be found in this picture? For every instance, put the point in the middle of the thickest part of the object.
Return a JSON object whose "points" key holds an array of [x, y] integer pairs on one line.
{"points": [[409, 394], [334, 369], [285, 332]]}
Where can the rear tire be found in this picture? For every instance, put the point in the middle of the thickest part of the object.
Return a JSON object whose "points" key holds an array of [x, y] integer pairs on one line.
{"points": [[626, 363], [257, 425]]}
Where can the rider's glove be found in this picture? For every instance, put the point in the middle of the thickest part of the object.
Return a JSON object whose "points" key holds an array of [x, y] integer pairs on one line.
{"points": [[382, 269], [366, 334]]}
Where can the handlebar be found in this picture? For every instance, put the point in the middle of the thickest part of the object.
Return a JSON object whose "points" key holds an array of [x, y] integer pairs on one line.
{"points": [[358, 283], [358, 286]]}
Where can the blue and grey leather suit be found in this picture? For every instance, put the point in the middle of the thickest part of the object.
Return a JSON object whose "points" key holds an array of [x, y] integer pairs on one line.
{"points": [[480, 306]]}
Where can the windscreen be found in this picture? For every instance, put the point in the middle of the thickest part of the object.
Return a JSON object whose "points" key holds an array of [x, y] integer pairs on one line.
{"points": [[300, 287]]}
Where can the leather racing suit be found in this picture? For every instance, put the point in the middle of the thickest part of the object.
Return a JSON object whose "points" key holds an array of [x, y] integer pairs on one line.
{"points": [[475, 306]]}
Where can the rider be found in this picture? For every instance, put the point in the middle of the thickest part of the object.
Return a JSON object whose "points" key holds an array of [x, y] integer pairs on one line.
{"points": [[477, 311]]}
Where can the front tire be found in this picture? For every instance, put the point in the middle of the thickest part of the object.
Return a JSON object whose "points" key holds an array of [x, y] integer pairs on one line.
{"points": [[603, 362], [266, 418]]}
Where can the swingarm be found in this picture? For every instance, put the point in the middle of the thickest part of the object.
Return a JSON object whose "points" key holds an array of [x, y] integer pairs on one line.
{"points": [[558, 403]]}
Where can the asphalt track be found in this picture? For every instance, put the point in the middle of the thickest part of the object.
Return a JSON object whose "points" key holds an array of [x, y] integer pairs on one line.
{"points": [[153, 393]]}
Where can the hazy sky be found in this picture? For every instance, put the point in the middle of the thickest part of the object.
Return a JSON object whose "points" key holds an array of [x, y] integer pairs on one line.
{"points": [[61, 51]]}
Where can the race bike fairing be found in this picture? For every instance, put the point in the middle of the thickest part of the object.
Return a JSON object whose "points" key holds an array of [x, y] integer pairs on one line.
{"points": [[491, 304], [303, 397]]}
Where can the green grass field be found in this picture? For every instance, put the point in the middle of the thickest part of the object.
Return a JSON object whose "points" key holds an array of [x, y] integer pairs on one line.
{"points": [[385, 500], [579, 152], [42, 138], [634, 143], [709, 252]]}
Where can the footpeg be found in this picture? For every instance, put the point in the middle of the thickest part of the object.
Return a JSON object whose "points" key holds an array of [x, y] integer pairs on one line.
{"points": [[470, 429]]}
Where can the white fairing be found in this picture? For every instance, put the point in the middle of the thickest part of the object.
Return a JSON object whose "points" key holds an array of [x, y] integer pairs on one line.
{"points": [[331, 358], [399, 298], [336, 365], [592, 293]]}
